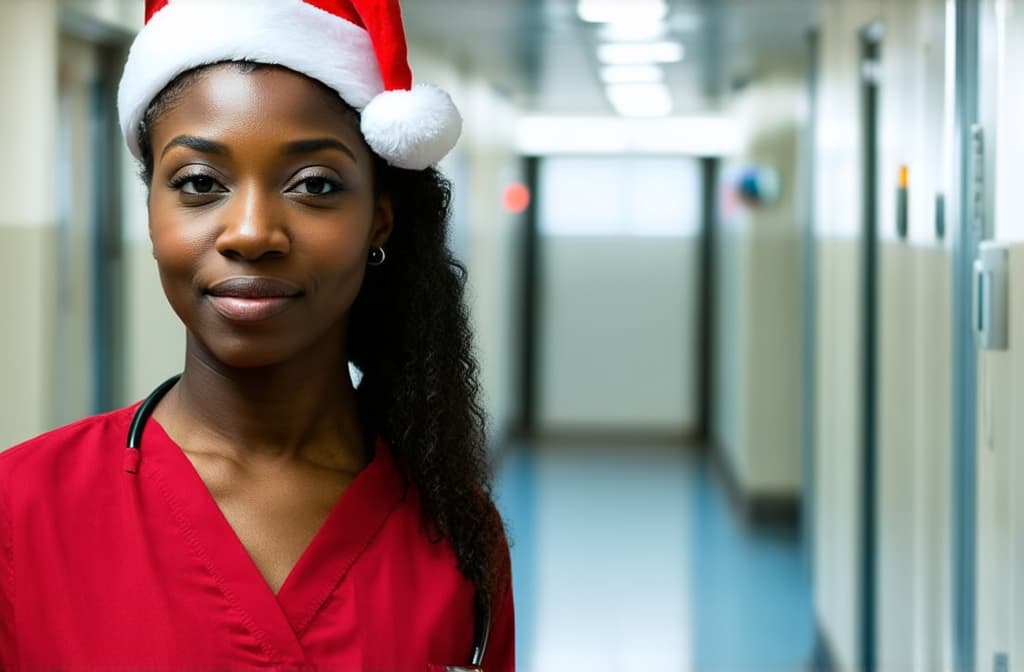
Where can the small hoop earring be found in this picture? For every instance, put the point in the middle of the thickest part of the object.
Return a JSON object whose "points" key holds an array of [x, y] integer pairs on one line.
{"points": [[377, 256]]}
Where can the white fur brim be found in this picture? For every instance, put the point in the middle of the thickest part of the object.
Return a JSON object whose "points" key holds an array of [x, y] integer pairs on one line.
{"points": [[410, 129]]}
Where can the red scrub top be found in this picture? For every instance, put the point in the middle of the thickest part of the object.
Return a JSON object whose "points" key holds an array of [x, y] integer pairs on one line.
{"points": [[102, 569]]}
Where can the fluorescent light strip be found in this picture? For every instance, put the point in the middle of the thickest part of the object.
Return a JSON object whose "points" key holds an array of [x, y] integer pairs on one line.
{"points": [[640, 100], [640, 53], [633, 31], [631, 74], [615, 11]]}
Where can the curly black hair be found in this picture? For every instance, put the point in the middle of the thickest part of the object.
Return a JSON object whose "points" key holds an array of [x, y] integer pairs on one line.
{"points": [[409, 335]]}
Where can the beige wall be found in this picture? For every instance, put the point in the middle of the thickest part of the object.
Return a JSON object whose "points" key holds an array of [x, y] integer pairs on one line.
{"points": [[28, 65], [757, 353], [1000, 551], [914, 345]]}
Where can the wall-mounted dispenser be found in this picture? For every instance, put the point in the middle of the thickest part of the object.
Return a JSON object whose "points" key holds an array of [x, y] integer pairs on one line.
{"points": [[991, 296]]}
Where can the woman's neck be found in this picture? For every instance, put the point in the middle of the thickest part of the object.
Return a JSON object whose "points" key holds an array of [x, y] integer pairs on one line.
{"points": [[303, 410]]}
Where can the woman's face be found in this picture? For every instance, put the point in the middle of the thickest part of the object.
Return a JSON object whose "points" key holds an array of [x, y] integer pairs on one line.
{"points": [[262, 212]]}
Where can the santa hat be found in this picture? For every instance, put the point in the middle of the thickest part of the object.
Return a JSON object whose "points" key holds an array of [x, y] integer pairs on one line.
{"points": [[356, 47]]}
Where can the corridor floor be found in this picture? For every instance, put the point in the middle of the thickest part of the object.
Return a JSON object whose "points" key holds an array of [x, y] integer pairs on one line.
{"points": [[630, 558]]}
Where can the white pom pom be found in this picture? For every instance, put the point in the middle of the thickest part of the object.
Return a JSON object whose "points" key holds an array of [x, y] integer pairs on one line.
{"points": [[412, 129]]}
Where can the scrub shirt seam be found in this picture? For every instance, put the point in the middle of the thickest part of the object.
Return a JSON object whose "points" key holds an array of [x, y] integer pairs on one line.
{"points": [[317, 605], [195, 546]]}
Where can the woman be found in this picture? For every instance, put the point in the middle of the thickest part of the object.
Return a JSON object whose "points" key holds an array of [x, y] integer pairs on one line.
{"points": [[262, 511]]}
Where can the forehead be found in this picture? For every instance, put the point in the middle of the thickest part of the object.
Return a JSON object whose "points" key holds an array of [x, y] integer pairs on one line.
{"points": [[227, 99]]}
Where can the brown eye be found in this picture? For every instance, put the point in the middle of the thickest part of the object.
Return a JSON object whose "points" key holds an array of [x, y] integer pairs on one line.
{"points": [[317, 186], [197, 185], [200, 185]]}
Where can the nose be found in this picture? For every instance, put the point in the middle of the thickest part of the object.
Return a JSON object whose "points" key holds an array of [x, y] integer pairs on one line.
{"points": [[253, 227]]}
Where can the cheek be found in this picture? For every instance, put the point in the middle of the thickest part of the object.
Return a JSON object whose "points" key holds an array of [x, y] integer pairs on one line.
{"points": [[176, 253], [341, 250], [343, 267]]}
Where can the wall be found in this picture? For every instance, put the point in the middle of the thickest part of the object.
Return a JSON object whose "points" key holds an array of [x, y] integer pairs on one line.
{"points": [[757, 303], [28, 43], [618, 277], [1000, 527], [607, 359], [1000, 522], [915, 346], [913, 630]]}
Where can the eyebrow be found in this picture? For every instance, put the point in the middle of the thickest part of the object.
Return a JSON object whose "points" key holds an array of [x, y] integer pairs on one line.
{"points": [[297, 147], [198, 144], [318, 144]]}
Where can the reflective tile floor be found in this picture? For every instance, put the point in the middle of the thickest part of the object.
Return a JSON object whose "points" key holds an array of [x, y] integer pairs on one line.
{"points": [[631, 558]]}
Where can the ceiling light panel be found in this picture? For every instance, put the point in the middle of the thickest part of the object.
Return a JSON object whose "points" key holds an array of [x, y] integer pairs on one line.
{"points": [[639, 53], [615, 11], [633, 31]]}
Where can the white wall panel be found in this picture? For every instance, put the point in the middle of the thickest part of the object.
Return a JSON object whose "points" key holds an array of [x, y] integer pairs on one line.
{"points": [[619, 262], [617, 345]]}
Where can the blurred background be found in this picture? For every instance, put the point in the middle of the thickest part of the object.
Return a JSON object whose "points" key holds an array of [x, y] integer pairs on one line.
{"points": [[742, 275]]}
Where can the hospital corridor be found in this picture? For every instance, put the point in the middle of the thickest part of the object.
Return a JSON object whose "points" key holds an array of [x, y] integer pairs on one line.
{"points": [[745, 282]]}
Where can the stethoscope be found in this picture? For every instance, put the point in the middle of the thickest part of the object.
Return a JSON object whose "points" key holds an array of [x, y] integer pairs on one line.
{"points": [[482, 616]]}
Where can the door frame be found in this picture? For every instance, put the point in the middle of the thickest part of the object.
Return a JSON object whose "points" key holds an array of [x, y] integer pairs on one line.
{"points": [[965, 238], [809, 308], [871, 41]]}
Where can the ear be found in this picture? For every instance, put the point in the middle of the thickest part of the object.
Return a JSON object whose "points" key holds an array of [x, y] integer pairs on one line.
{"points": [[383, 221]]}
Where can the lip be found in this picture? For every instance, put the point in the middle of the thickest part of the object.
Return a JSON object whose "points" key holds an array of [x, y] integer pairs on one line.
{"points": [[251, 299], [253, 287]]}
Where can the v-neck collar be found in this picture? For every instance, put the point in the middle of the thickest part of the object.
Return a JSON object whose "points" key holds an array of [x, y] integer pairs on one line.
{"points": [[278, 621]]}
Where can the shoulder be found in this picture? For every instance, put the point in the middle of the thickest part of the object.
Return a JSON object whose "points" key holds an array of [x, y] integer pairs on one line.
{"points": [[67, 449]]}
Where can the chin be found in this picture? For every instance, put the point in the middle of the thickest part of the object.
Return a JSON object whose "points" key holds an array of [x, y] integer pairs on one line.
{"points": [[247, 357], [245, 353]]}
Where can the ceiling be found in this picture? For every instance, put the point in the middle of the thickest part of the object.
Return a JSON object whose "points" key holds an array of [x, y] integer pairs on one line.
{"points": [[542, 56]]}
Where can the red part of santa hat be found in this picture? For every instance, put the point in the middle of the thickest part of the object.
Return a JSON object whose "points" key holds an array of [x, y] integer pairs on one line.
{"points": [[356, 47]]}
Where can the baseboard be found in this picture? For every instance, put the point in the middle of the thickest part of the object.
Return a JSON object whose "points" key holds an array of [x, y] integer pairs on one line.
{"points": [[775, 510]]}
